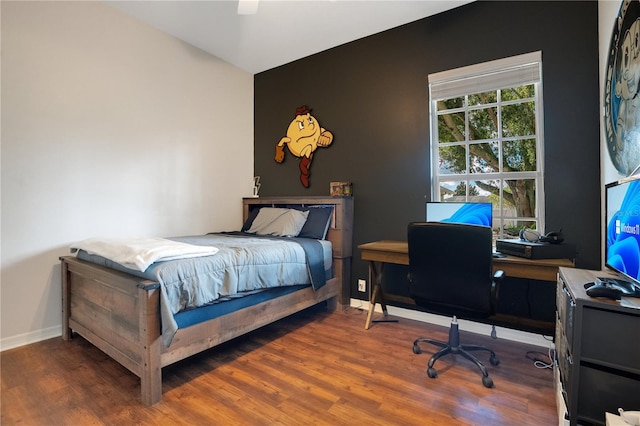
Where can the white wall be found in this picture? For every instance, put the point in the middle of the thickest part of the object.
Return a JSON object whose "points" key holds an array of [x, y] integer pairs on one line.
{"points": [[109, 128]]}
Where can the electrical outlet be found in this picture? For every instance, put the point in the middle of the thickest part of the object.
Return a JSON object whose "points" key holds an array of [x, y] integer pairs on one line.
{"points": [[362, 286]]}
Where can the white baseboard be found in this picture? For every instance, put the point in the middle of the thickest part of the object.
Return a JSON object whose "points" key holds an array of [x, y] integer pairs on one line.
{"points": [[31, 337], [473, 327]]}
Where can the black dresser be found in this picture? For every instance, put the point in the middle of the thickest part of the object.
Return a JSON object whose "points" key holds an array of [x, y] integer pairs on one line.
{"points": [[597, 350]]}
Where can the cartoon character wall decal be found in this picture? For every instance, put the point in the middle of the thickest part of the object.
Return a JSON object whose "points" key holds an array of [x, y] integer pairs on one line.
{"points": [[304, 136], [622, 90]]}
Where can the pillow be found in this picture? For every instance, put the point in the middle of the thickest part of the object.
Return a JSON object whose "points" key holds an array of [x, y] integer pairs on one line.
{"points": [[317, 223], [278, 222]]}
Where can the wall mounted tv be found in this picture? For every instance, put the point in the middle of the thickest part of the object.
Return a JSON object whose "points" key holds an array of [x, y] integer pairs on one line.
{"points": [[459, 212], [622, 247]]}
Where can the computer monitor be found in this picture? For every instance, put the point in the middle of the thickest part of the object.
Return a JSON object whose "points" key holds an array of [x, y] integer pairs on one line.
{"points": [[622, 233], [459, 212]]}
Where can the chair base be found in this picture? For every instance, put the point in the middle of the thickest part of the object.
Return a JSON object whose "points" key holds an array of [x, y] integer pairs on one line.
{"points": [[453, 346]]}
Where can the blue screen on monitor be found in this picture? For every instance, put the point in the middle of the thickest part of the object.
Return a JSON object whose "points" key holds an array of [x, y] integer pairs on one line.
{"points": [[455, 212], [622, 200]]}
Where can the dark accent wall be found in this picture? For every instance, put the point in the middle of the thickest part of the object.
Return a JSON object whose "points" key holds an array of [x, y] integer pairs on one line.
{"points": [[373, 95]]}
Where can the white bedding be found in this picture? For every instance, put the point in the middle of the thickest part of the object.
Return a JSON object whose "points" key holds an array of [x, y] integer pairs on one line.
{"points": [[139, 253]]}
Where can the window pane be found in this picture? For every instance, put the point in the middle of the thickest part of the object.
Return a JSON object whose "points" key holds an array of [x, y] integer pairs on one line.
{"points": [[483, 98], [451, 127], [519, 119], [480, 191], [521, 195], [450, 190], [484, 157], [483, 124], [452, 159], [485, 191], [519, 155], [452, 103], [459, 192], [522, 92], [512, 228]]}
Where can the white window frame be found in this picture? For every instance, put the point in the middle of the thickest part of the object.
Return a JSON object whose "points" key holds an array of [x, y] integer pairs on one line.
{"points": [[494, 75]]}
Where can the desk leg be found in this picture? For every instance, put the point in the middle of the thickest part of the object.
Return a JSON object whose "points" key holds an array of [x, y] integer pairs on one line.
{"points": [[377, 294], [372, 306]]}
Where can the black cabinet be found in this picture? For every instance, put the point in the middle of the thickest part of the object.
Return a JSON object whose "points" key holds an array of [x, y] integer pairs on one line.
{"points": [[597, 350]]}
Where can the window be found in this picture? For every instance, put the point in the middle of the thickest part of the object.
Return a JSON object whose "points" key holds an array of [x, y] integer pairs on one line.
{"points": [[487, 139]]}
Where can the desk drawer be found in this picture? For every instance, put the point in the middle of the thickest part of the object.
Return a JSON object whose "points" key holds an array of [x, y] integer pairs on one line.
{"points": [[612, 337], [601, 391]]}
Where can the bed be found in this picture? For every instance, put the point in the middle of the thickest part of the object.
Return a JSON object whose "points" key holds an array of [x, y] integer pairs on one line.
{"points": [[120, 312]]}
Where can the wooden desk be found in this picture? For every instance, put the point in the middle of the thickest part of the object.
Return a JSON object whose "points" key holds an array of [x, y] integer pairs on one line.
{"points": [[389, 251]]}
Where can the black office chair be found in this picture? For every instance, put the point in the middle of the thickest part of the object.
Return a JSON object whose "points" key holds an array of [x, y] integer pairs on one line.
{"points": [[450, 273]]}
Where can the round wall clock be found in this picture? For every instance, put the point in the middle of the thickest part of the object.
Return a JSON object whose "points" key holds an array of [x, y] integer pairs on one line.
{"points": [[621, 98]]}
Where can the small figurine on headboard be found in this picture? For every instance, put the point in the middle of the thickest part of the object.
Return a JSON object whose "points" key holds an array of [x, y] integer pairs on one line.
{"points": [[256, 185], [304, 136]]}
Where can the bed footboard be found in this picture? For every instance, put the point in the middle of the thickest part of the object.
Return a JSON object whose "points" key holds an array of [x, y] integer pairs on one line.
{"points": [[119, 314]]}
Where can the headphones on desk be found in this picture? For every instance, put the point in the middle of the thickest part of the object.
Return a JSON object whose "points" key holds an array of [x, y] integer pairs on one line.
{"points": [[532, 236]]}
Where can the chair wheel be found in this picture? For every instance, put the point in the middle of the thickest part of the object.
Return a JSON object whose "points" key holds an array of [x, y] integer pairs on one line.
{"points": [[416, 349], [487, 381], [432, 373], [494, 360]]}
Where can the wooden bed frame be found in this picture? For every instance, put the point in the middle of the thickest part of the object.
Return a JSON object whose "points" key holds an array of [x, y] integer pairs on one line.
{"points": [[120, 313]]}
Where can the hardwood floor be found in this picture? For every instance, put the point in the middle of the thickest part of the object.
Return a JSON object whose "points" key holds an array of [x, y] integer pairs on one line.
{"points": [[314, 368]]}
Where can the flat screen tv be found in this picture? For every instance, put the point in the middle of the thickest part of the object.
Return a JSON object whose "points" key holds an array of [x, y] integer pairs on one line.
{"points": [[459, 212], [622, 247]]}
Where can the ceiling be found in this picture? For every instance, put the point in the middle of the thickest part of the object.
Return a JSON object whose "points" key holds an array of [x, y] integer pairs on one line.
{"points": [[280, 31]]}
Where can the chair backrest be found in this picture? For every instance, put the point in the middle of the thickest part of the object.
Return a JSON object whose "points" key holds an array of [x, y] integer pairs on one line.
{"points": [[450, 268]]}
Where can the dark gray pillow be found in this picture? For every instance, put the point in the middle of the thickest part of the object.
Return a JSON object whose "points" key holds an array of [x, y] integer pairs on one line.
{"points": [[252, 215], [317, 223]]}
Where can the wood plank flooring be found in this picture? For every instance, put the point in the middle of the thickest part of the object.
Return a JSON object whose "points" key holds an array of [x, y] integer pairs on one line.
{"points": [[314, 368]]}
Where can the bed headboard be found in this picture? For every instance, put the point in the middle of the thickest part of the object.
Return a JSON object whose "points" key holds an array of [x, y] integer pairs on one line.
{"points": [[340, 232]]}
